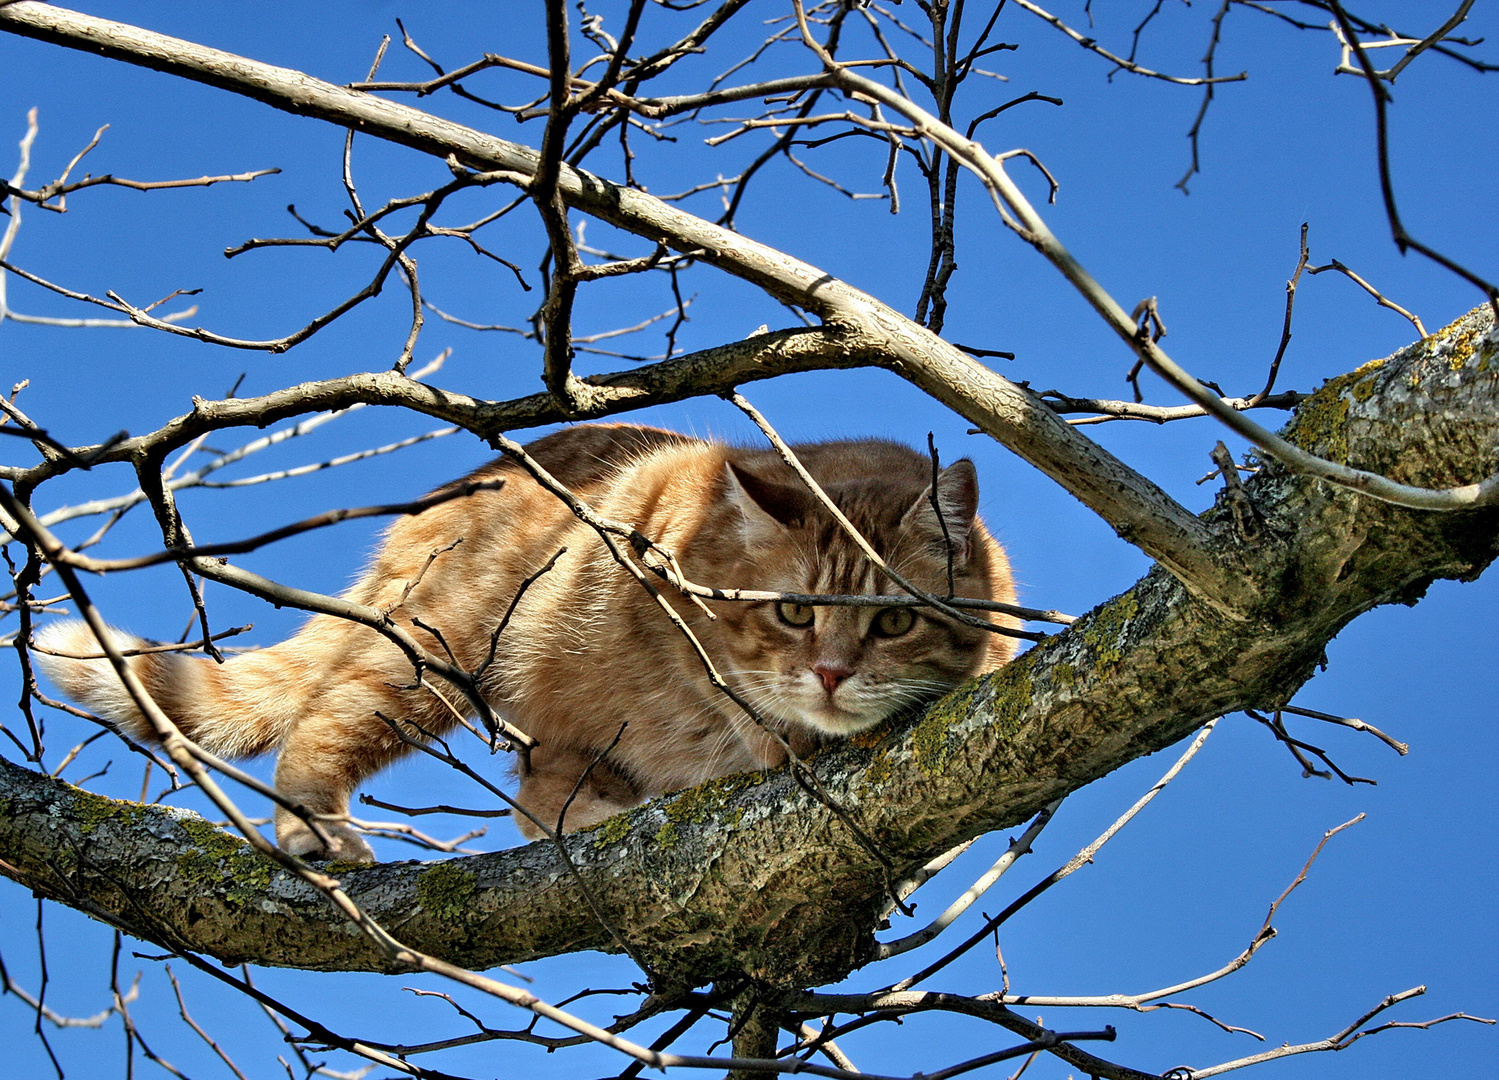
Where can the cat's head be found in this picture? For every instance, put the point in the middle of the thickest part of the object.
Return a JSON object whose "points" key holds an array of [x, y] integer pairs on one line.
{"points": [[841, 669]]}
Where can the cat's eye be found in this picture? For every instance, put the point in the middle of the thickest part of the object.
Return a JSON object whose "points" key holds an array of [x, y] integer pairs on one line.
{"points": [[798, 615], [893, 621]]}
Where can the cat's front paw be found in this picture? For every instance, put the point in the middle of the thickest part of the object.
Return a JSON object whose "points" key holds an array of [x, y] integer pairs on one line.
{"points": [[343, 843]]}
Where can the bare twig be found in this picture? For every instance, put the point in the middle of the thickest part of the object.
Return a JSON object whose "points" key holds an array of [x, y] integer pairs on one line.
{"points": [[1081, 859], [1209, 88], [1340, 1041], [1403, 239], [1106, 409], [1357, 725], [1285, 331], [1017, 848], [417, 811], [1128, 65], [1296, 746], [1372, 291], [190, 1022]]}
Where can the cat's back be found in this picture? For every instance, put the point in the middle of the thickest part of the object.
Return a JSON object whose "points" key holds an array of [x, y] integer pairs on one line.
{"points": [[588, 457], [845, 461], [585, 455]]}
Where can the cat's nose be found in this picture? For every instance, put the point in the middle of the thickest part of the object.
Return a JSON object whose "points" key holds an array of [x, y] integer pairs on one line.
{"points": [[832, 674]]}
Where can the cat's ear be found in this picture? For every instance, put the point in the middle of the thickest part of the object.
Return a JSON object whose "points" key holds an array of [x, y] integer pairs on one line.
{"points": [[765, 507], [958, 500]]}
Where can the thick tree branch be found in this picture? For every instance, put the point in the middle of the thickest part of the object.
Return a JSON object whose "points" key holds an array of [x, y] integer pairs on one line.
{"points": [[751, 875]]}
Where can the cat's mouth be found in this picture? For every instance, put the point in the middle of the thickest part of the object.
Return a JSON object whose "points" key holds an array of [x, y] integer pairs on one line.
{"points": [[841, 713], [847, 710], [843, 723]]}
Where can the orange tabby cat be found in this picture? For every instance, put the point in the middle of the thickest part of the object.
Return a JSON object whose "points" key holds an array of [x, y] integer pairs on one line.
{"points": [[587, 649]]}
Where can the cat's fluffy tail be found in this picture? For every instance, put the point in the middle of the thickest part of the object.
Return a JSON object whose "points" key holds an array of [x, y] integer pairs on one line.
{"points": [[236, 709]]}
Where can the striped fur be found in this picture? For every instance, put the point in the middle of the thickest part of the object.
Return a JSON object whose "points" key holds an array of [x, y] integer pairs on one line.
{"points": [[587, 649]]}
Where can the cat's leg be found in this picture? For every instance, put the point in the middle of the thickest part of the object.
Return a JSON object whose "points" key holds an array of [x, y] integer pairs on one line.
{"points": [[321, 764], [551, 781], [336, 746]]}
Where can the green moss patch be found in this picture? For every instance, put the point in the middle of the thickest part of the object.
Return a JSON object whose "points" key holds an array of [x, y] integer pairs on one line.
{"points": [[876, 772], [91, 811], [1009, 694], [697, 805], [1104, 631], [610, 830], [446, 890], [667, 837], [222, 861], [1012, 689]]}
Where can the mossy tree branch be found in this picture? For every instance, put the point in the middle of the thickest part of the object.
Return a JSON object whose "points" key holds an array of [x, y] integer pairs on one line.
{"points": [[750, 875]]}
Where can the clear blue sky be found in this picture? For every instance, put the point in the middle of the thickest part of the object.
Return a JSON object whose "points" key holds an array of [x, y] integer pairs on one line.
{"points": [[1405, 898]]}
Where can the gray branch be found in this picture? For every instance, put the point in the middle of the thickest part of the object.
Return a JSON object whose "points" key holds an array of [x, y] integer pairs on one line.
{"points": [[865, 328]]}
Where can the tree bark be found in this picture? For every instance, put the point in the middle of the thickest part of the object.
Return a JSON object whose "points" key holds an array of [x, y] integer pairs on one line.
{"points": [[752, 876]]}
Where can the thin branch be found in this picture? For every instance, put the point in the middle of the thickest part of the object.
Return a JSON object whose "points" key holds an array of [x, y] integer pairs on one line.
{"points": [[1081, 859], [146, 650], [1357, 725], [1372, 291], [60, 190], [1128, 65], [1107, 409], [197, 1028], [1141, 1002], [1208, 91], [1341, 1041], [1017, 848], [443, 808], [1415, 48], [1285, 330], [1296, 746], [1403, 239]]}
